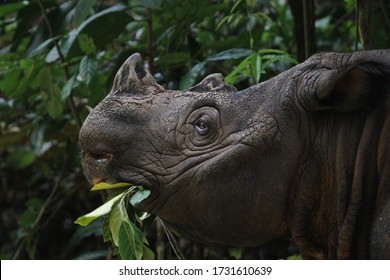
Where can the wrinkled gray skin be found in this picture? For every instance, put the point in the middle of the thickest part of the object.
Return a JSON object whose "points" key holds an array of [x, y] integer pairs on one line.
{"points": [[305, 154]]}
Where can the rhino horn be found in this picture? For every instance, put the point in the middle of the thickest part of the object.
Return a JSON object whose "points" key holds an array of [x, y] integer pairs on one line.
{"points": [[213, 82], [134, 79]]}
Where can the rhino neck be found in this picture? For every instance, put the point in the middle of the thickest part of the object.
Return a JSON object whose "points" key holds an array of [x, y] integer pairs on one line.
{"points": [[338, 184]]}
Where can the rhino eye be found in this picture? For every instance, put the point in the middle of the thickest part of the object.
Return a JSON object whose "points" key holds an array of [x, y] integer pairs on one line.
{"points": [[200, 129], [202, 126]]}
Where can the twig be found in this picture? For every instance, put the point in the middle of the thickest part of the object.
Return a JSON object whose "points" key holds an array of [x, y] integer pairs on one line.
{"points": [[160, 247], [357, 19], [43, 209], [149, 39], [307, 26], [172, 241], [71, 102]]}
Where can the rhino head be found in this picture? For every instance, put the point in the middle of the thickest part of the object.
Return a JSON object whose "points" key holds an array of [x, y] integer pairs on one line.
{"points": [[238, 168]]}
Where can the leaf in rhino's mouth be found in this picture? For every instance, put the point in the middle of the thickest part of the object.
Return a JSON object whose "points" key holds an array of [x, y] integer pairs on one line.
{"points": [[106, 186], [123, 225]]}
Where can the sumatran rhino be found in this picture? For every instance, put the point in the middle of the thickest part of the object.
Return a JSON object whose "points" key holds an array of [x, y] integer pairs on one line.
{"points": [[305, 154]]}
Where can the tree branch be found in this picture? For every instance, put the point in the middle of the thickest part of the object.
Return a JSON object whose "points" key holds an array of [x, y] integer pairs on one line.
{"points": [[43, 209], [149, 39], [387, 18]]}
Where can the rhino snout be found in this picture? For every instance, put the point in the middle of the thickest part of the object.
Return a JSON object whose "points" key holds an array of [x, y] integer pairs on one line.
{"points": [[95, 165]]}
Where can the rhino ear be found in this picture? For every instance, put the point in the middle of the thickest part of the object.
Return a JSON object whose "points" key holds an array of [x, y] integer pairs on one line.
{"points": [[213, 82], [134, 79], [360, 86]]}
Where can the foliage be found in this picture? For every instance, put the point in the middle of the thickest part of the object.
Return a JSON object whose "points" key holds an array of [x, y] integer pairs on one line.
{"points": [[295, 257], [58, 57], [124, 232]]}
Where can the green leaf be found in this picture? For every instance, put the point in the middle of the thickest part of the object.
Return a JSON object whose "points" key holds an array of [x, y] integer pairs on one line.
{"points": [[236, 253], [86, 43], [131, 242], [276, 55], [33, 205], [27, 218], [257, 63], [154, 4], [102, 27], [41, 47], [93, 229], [261, 18], [92, 255], [10, 81], [100, 211], [26, 17], [230, 54], [44, 78], [88, 67], [222, 22], [31, 247], [82, 10], [256, 67], [190, 77], [126, 242], [67, 89], [20, 159], [106, 186], [295, 257], [64, 45], [139, 196], [10, 139], [235, 19], [232, 77], [144, 216], [147, 253], [54, 108], [52, 55], [53, 102], [11, 7], [126, 235], [26, 81], [50, 92], [238, 2], [173, 58], [117, 216], [37, 137], [56, 17], [106, 230]]}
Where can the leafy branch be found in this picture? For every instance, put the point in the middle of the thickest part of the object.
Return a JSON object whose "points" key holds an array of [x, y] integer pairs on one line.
{"points": [[123, 226], [70, 98]]}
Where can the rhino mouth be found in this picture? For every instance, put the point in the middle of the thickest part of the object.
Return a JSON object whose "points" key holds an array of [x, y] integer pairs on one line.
{"points": [[133, 182], [103, 168], [148, 204]]}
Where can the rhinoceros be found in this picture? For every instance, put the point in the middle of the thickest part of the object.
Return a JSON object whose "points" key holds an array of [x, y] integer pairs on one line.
{"points": [[305, 154]]}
